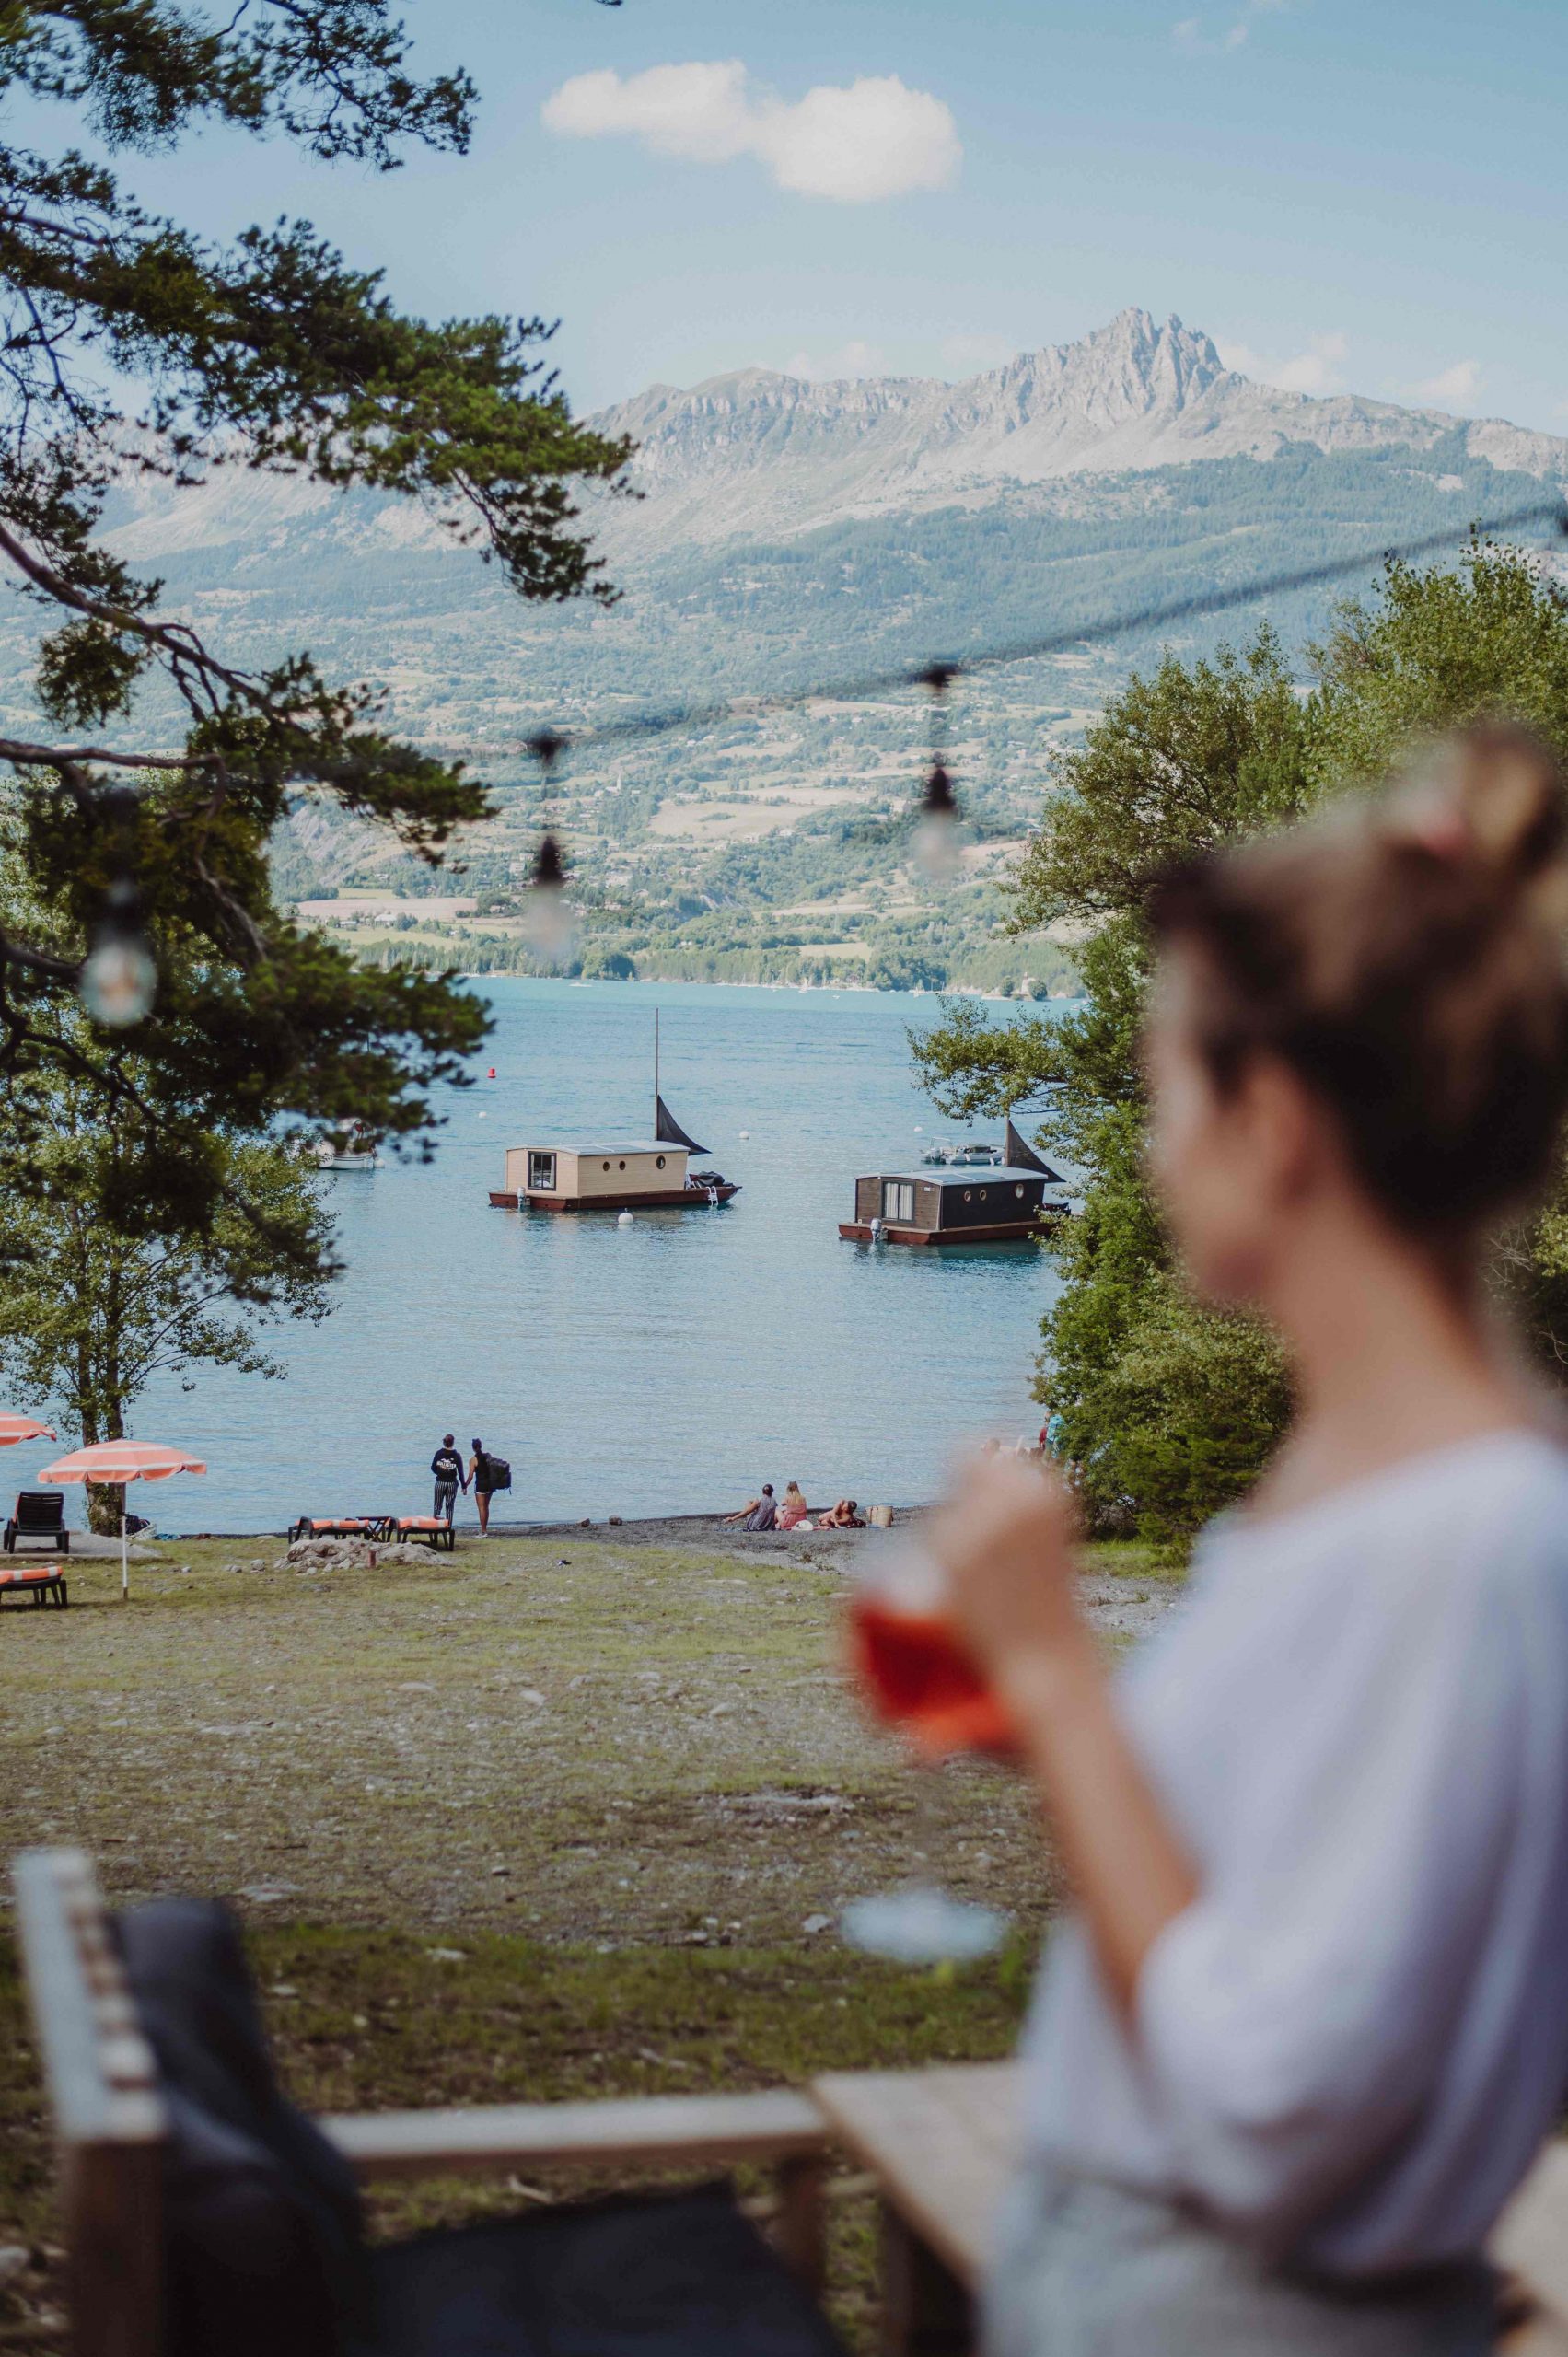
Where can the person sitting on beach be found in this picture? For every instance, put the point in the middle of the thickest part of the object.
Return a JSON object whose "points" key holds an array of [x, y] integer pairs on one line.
{"points": [[765, 1513], [792, 1507], [842, 1517]]}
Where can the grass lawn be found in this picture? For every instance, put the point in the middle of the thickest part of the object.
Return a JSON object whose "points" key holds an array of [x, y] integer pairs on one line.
{"points": [[542, 1818]]}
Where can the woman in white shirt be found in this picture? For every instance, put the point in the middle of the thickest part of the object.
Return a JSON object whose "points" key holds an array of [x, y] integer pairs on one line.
{"points": [[1310, 2021]]}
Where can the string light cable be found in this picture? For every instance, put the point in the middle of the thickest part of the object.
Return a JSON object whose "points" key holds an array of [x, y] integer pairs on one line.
{"points": [[938, 800]]}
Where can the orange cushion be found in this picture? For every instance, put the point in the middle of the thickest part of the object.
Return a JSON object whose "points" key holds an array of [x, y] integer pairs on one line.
{"points": [[421, 1522]]}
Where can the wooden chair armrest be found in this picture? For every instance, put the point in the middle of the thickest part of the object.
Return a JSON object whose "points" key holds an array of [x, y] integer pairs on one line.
{"points": [[1531, 2239], [775, 2124]]}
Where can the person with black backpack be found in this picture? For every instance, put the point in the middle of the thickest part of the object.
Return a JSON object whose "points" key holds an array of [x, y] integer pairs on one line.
{"points": [[487, 1473]]}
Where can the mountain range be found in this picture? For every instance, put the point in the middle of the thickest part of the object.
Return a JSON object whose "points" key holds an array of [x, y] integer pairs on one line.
{"points": [[755, 451], [787, 535]]}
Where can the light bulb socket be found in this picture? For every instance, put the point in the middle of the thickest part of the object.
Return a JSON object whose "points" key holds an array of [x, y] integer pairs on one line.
{"points": [[938, 801]]}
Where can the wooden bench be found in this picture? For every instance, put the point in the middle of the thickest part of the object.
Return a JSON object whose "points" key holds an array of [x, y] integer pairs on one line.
{"points": [[940, 2142], [110, 2123], [943, 2144]]}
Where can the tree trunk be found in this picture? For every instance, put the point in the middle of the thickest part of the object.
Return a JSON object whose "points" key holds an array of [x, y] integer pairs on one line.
{"points": [[106, 1500]]}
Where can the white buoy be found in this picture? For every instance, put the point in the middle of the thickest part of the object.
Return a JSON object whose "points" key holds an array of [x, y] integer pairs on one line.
{"points": [[627, 1219], [484, 1117], [745, 1134]]}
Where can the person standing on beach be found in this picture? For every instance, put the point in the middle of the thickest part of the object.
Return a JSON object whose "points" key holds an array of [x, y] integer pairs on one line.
{"points": [[482, 1485], [447, 1468]]}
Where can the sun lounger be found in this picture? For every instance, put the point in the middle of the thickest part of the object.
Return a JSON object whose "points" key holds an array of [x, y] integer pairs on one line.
{"points": [[40, 1514], [45, 1583], [338, 1525], [432, 1529]]}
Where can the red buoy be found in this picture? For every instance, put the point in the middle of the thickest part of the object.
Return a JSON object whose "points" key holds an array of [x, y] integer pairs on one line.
{"points": [[491, 1074]]}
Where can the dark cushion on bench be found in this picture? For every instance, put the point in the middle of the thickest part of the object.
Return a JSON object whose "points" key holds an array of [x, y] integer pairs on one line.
{"points": [[264, 2245], [673, 2275], [264, 2250]]}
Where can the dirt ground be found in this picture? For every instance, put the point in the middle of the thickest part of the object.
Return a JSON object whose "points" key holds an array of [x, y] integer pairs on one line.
{"points": [[568, 1812]]}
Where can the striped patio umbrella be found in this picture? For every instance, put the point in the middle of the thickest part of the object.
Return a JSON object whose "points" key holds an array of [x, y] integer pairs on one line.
{"points": [[16, 1428], [121, 1462]]}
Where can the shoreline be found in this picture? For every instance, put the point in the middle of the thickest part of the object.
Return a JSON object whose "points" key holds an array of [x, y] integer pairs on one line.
{"points": [[638, 1531]]}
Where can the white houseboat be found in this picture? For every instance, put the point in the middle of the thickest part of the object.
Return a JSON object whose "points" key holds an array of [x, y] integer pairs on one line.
{"points": [[627, 1174]]}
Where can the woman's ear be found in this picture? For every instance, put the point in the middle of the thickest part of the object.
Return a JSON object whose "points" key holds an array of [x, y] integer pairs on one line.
{"points": [[1284, 1130]]}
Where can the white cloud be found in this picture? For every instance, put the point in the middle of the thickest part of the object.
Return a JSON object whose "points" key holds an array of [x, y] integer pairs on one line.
{"points": [[1454, 387], [1190, 34], [1315, 370], [867, 139], [852, 359]]}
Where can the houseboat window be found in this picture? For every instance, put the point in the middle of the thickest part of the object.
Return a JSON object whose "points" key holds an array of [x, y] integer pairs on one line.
{"points": [[607, 1166], [898, 1199], [983, 1196], [660, 1165], [622, 1165], [1019, 1192], [541, 1171], [969, 1195]]}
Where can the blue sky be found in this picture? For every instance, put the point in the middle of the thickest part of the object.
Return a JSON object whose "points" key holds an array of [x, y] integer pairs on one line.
{"points": [[1357, 195]]}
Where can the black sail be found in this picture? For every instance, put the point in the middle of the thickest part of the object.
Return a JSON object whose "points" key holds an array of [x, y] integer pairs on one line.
{"points": [[1021, 1156], [669, 1131]]}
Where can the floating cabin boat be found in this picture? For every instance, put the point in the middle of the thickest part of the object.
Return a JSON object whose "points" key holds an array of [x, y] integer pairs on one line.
{"points": [[1000, 1202], [635, 1174], [348, 1148]]}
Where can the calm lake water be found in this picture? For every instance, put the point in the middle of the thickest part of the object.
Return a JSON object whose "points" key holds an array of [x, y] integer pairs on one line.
{"points": [[667, 1367]]}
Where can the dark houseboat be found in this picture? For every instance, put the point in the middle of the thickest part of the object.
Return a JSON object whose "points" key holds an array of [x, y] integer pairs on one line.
{"points": [[1002, 1202]]}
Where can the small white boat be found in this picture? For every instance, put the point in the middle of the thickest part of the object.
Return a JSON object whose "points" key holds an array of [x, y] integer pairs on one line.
{"points": [[348, 1148]]}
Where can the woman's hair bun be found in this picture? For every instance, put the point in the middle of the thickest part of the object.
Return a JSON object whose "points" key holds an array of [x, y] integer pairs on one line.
{"points": [[1491, 799], [1406, 956]]}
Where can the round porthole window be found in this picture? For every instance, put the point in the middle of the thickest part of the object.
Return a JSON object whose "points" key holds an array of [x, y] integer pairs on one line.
{"points": [[661, 1162], [623, 1166], [983, 1196], [968, 1196], [607, 1166], [1019, 1192]]}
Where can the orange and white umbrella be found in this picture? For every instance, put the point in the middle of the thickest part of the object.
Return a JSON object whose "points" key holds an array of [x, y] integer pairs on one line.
{"points": [[118, 1462], [16, 1428]]}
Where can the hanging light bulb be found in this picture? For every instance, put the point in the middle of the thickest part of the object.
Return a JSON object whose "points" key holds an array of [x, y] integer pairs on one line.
{"points": [[936, 835], [119, 981], [549, 924]]}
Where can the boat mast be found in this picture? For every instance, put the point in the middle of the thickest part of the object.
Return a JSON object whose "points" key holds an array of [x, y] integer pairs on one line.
{"points": [[655, 1072]]}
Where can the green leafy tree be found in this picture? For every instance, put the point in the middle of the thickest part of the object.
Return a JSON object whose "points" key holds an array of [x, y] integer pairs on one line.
{"points": [[90, 1310], [1169, 1411], [274, 353], [1193, 756]]}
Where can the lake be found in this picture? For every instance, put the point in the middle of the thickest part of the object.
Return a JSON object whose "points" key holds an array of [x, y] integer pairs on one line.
{"points": [[671, 1367]]}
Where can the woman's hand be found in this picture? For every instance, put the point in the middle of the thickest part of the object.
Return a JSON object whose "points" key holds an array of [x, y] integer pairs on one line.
{"points": [[1006, 1540], [1005, 1543]]}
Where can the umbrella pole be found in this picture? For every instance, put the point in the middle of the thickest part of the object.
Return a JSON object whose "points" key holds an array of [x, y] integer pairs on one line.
{"points": [[125, 1556]]}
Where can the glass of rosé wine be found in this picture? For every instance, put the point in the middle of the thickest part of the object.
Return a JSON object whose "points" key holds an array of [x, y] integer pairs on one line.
{"points": [[914, 1673]]}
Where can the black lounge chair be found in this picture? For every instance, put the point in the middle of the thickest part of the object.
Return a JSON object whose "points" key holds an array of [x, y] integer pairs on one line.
{"points": [[39, 1513], [431, 1530], [45, 1583]]}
